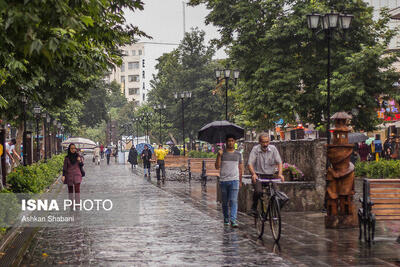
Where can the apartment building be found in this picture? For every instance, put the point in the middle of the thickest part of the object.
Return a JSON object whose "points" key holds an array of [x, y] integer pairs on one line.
{"points": [[138, 68]]}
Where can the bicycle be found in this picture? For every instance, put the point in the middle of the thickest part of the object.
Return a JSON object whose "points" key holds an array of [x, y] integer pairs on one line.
{"points": [[269, 212]]}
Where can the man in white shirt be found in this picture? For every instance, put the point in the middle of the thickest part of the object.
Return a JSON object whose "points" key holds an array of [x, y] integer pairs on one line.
{"points": [[10, 152]]}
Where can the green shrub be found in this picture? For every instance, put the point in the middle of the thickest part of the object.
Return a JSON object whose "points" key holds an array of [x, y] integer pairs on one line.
{"points": [[36, 177], [378, 169], [9, 209]]}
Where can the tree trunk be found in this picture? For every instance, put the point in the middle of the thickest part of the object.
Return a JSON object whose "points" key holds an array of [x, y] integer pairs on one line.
{"points": [[172, 138]]}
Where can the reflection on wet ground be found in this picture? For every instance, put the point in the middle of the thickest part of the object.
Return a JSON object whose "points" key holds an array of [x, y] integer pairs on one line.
{"points": [[169, 230], [181, 224]]}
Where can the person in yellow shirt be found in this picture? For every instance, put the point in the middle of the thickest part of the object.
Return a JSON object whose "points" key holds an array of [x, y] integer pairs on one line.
{"points": [[160, 155]]}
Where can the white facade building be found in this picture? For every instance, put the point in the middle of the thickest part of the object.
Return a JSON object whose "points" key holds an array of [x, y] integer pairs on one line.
{"points": [[394, 7], [138, 68]]}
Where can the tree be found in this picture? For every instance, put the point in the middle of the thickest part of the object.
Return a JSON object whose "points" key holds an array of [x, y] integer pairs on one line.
{"points": [[56, 50], [188, 68], [283, 64]]}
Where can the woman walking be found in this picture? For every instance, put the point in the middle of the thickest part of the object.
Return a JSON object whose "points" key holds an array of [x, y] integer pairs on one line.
{"points": [[72, 174], [132, 157]]}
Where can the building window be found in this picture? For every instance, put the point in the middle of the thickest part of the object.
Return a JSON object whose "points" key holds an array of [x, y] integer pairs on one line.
{"points": [[122, 79], [143, 63], [143, 74], [144, 97], [144, 87], [133, 65], [133, 52], [133, 91], [140, 52], [133, 78], [123, 67]]}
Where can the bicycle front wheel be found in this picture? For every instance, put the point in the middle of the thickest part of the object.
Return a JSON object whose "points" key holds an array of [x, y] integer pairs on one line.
{"points": [[259, 219], [275, 219]]}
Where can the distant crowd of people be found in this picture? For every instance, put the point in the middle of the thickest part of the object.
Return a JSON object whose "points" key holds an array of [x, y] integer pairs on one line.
{"points": [[389, 150]]}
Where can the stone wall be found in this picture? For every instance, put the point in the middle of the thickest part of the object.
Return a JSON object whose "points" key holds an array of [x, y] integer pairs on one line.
{"points": [[310, 157]]}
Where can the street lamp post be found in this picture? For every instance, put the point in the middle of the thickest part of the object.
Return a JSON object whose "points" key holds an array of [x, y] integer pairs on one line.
{"points": [[55, 136], [147, 115], [226, 73], [137, 120], [329, 23], [182, 96], [37, 111], [160, 108], [44, 116], [59, 135], [48, 118], [24, 100]]}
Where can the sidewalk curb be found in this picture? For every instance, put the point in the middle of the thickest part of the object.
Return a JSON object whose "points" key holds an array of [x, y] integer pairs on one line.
{"points": [[17, 239]]}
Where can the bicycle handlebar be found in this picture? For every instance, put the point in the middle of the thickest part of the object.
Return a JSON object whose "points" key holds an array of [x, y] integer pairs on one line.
{"points": [[272, 180]]}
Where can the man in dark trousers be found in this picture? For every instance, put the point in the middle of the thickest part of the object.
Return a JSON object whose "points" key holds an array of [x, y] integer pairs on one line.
{"points": [[146, 157]]}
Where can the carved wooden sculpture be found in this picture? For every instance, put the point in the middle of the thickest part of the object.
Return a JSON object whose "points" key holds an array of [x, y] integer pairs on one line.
{"points": [[341, 210]]}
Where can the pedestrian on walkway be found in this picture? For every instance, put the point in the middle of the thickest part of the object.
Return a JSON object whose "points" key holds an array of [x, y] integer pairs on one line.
{"points": [[230, 163], [108, 155], [146, 157], [10, 153], [101, 151], [72, 172], [160, 154], [116, 153], [96, 155], [132, 157], [263, 160]]}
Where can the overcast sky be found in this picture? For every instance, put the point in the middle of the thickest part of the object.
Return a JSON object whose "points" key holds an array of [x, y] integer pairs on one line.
{"points": [[163, 20]]}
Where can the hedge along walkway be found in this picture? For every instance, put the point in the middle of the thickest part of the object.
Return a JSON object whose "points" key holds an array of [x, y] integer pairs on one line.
{"points": [[382, 169], [14, 243]]}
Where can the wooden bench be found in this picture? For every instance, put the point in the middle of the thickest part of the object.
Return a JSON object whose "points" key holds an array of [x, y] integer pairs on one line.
{"points": [[380, 201], [196, 166], [175, 161]]}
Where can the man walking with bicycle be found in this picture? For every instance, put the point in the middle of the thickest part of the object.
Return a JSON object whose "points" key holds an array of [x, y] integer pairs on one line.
{"points": [[263, 160]]}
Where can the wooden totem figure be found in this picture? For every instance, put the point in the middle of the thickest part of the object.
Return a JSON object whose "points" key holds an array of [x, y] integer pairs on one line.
{"points": [[341, 210]]}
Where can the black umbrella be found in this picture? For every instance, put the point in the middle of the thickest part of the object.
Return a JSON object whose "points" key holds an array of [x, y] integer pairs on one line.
{"points": [[216, 131], [357, 138]]}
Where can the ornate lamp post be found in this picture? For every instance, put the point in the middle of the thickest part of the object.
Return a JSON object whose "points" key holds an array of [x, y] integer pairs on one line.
{"points": [[160, 108], [48, 119], [55, 136], [24, 101], [226, 75], [182, 96], [147, 115], [329, 22], [137, 120], [37, 110], [44, 116]]}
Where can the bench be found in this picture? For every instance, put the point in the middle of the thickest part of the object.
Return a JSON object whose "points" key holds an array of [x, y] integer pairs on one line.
{"points": [[196, 166], [380, 201]]}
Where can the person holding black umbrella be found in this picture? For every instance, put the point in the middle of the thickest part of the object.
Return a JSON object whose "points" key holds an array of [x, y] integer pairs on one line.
{"points": [[230, 164]]}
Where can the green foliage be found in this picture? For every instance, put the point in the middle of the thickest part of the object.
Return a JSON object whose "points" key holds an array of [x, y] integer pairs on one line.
{"points": [[201, 154], [57, 50], [283, 64], [188, 68], [378, 169], [36, 177]]}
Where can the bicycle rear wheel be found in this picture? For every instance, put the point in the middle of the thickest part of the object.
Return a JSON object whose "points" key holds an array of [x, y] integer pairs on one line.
{"points": [[259, 219], [275, 219]]}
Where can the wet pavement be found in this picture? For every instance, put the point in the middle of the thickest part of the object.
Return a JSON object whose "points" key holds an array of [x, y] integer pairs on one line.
{"points": [[180, 224], [171, 227]]}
